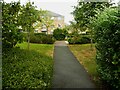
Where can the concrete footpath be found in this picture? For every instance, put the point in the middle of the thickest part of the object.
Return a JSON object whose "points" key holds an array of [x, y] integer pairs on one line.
{"points": [[68, 72]]}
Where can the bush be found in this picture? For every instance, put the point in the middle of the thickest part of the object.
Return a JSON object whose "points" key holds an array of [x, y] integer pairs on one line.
{"points": [[79, 40], [107, 37], [42, 38], [10, 24], [48, 39], [84, 40], [59, 34]]}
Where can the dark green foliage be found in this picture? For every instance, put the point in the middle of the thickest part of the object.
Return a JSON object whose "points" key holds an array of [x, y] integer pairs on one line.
{"points": [[59, 34], [42, 38], [48, 39], [65, 32], [84, 11], [107, 36], [26, 69], [10, 30], [17, 18], [79, 40], [84, 40]]}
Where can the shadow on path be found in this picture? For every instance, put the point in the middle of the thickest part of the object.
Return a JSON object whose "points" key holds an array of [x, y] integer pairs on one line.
{"points": [[68, 72]]}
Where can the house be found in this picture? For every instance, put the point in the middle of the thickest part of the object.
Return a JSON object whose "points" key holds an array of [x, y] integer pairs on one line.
{"points": [[58, 22]]}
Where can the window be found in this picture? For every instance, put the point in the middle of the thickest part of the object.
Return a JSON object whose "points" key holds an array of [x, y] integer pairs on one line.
{"points": [[59, 25]]}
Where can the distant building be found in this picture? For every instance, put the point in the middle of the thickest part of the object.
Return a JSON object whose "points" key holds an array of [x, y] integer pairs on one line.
{"points": [[58, 22], [119, 4]]}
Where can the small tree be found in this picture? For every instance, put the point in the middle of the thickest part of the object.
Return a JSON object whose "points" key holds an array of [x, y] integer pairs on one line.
{"points": [[75, 27], [28, 16], [84, 11], [39, 23], [46, 20]]}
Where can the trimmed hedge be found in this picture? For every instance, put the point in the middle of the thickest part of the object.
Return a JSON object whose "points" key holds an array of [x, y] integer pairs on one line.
{"points": [[107, 37], [41, 38], [59, 34], [79, 40]]}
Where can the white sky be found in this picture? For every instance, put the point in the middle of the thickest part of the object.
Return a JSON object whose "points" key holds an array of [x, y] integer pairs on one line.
{"points": [[63, 7]]}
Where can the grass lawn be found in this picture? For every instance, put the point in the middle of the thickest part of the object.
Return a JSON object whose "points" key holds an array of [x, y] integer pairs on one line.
{"points": [[86, 57], [28, 69]]}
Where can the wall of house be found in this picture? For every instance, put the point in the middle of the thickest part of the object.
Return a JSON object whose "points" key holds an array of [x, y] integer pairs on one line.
{"points": [[58, 23]]}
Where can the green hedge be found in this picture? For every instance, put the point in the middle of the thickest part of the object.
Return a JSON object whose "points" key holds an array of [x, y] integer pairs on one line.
{"points": [[59, 34], [107, 36], [41, 38], [79, 40]]}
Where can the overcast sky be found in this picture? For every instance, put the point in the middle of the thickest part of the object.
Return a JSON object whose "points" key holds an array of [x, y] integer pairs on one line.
{"points": [[63, 7]]}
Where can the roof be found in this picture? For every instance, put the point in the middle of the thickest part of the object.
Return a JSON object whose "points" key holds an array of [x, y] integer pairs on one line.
{"points": [[54, 14]]}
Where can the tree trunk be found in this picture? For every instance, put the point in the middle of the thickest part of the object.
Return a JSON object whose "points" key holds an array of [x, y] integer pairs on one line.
{"points": [[91, 41], [47, 30], [28, 39]]}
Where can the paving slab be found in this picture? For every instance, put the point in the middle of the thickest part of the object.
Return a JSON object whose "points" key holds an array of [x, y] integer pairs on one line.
{"points": [[68, 72]]}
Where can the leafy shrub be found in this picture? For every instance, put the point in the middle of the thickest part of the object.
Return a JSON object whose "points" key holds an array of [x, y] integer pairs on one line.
{"points": [[10, 24], [84, 40], [79, 40], [35, 39], [107, 37], [42, 38], [59, 34], [27, 69], [48, 39], [70, 35]]}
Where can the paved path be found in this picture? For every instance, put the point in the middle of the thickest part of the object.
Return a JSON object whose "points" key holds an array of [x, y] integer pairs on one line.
{"points": [[68, 73]]}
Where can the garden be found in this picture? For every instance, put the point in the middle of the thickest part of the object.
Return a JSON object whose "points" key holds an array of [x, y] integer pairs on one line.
{"points": [[25, 64], [27, 57]]}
